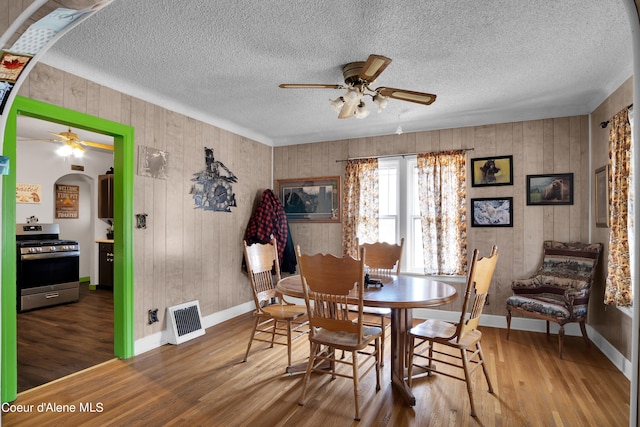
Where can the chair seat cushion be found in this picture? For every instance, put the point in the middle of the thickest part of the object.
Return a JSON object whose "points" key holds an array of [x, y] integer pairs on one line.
{"points": [[342, 339], [546, 305], [285, 312]]}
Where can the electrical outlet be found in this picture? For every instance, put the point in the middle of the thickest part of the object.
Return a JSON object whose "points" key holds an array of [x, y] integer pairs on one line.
{"points": [[153, 316]]}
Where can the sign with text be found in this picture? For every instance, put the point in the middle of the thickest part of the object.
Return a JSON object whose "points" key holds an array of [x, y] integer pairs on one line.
{"points": [[28, 193], [67, 199]]}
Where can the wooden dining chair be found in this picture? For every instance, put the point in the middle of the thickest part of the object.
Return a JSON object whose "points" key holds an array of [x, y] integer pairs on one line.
{"points": [[462, 336], [273, 316], [327, 283], [382, 259]]}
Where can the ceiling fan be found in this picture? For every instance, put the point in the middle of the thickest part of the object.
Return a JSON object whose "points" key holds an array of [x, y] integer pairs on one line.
{"points": [[358, 76], [72, 144]]}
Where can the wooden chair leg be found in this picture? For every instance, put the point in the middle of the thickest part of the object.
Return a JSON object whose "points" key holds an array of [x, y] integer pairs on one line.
{"points": [[508, 322], [382, 341], [467, 379], [289, 325], [253, 332], [312, 352], [560, 339], [583, 329], [484, 368], [354, 365]]}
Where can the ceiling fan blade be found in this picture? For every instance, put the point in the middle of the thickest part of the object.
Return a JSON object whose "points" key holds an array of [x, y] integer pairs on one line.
{"points": [[407, 95], [347, 110], [97, 145], [309, 86], [67, 136], [374, 66]]}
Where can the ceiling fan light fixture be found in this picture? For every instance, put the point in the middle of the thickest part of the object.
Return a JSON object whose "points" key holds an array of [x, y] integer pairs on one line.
{"points": [[77, 152], [337, 103], [380, 101], [64, 150], [361, 111]]}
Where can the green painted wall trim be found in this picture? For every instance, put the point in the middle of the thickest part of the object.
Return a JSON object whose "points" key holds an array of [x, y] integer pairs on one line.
{"points": [[122, 216]]}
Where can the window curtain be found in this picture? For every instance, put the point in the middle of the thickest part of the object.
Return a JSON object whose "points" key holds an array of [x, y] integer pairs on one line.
{"points": [[618, 289], [442, 192], [360, 204]]}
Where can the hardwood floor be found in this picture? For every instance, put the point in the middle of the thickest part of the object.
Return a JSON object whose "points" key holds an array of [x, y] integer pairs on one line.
{"points": [[57, 341], [204, 383]]}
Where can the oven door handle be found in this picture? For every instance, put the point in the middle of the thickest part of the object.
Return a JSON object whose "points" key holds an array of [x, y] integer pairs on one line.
{"points": [[31, 257]]}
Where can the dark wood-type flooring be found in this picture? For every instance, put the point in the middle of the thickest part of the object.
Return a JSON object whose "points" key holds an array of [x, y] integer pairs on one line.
{"points": [[54, 342], [204, 383]]}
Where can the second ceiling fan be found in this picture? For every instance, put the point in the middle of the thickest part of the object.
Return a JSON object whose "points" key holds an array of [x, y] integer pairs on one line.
{"points": [[357, 78]]}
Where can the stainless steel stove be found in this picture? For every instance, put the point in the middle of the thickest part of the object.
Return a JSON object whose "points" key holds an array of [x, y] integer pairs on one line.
{"points": [[48, 268]]}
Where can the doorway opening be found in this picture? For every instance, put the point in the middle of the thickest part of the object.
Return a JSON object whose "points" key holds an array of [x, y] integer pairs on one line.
{"points": [[123, 339]]}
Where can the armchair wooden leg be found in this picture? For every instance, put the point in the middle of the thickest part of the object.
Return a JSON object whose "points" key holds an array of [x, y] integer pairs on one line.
{"points": [[548, 328], [508, 322], [583, 329]]}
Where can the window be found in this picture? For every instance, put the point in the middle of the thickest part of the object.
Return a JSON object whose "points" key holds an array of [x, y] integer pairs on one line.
{"points": [[400, 209]]}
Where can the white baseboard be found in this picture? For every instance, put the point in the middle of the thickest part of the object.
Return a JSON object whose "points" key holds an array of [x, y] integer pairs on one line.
{"points": [[536, 325], [161, 338], [517, 323]]}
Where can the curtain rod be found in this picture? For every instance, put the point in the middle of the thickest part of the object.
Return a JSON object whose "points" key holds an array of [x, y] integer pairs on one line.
{"points": [[605, 124], [389, 155]]}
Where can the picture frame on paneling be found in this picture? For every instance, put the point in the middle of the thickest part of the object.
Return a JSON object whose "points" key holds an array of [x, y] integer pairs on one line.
{"points": [[310, 199], [490, 171], [602, 196], [550, 189], [12, 65], [492, 212]]}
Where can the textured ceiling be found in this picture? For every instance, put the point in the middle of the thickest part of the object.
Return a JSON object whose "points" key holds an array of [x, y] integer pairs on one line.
{"points": [[489, 61]]}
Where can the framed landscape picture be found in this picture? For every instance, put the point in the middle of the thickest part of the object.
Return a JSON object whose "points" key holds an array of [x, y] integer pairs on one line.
{"points": [[492, 212], [488, 171], [310, 199], [550, 189]]}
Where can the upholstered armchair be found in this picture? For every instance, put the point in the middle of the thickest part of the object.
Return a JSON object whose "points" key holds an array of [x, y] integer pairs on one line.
{"points": [[559, 291]]}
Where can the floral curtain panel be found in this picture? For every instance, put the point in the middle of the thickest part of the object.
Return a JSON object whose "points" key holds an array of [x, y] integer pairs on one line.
{"points": [[442, 192], [618, 289], [360, 204]]}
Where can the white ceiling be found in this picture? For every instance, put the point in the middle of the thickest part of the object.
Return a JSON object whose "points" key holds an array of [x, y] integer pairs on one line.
{"points": [[489, 61]]}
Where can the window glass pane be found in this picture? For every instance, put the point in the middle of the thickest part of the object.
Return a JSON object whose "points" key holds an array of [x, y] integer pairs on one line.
{"points": [[387, 181], [417, 260], [387, 230]]}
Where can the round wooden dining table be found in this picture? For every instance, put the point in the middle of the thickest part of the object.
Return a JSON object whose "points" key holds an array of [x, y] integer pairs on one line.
{"points": [[401, 293]]}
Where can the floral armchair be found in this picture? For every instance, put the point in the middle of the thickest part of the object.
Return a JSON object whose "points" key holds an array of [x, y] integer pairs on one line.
{"points": [[559, 291]]}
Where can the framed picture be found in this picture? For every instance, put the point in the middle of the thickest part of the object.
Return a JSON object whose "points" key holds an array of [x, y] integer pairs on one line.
{"points": [[11, 65], [488, 171], [550, 189], [310, 199], [492, 212], [602, 196]]}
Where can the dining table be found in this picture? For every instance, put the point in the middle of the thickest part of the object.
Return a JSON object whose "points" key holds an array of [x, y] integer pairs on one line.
{"points": [[401, 293]]}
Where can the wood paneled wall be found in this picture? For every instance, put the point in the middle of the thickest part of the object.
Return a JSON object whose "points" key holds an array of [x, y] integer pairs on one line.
{"points": [[185, 253], [542, 146]]}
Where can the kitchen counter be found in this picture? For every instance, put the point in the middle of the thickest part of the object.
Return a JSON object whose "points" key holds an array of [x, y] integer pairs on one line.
{"points": [[104, 241]]}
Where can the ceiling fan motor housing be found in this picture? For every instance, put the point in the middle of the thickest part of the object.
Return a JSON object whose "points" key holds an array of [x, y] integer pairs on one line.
{"points": [[351, 71]]}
